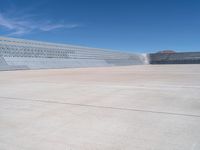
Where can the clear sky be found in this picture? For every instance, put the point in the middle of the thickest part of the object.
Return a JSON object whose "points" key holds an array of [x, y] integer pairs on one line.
{"points": [[127, 25]]}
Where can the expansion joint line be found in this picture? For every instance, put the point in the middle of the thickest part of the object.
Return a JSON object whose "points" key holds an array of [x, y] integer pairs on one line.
{"points": [[101, 107]]}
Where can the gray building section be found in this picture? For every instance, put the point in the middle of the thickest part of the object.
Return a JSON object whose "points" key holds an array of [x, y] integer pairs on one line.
{"points": [[27, 54], [175, 58]]}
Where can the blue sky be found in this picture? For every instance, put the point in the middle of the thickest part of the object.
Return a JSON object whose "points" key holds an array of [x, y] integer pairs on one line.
{"points": [[126, 25]]}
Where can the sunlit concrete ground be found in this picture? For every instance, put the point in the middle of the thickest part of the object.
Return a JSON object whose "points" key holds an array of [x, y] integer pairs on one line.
{"points": [[115, 108]]}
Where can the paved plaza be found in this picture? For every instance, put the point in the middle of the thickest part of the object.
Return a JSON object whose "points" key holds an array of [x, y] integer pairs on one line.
{"points": [[142, 107]]}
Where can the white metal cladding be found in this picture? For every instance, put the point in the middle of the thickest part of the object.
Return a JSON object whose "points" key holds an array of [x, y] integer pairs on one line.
{"points": [[11, 47], [27, 54], [35, 63]]}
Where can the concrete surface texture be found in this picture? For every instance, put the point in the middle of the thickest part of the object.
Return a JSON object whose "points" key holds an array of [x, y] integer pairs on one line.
{"points": [[145, 107]]}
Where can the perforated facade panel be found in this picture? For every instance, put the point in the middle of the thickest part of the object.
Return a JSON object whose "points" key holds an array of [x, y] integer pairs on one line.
{"points": [[16, 52]]}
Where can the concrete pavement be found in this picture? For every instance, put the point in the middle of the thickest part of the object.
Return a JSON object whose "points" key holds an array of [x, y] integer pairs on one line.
{"points": [[147, 107]]}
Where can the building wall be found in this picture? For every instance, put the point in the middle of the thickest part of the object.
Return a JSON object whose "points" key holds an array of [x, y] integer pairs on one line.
{"points": [[175, 58], [38, 55]]}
